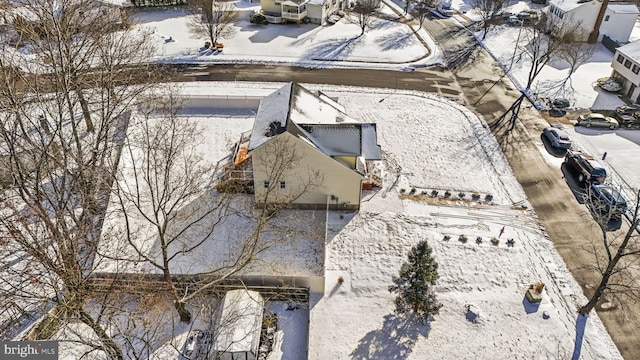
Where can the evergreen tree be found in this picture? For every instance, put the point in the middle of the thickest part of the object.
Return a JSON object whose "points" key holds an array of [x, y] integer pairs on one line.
{"points": [[413, 287]]}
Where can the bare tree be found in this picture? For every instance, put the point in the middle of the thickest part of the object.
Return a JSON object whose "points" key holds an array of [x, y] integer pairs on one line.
{"points": [[545, 42], [408, 3], [166, 184], [488, 11], [63, 111], [365, 13], [615, 258], [575, 56], [212, 19], [421, 12]]}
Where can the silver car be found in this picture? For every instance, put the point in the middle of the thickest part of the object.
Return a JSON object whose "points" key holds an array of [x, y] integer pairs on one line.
{"points": [[557, 138], [597, 120]]}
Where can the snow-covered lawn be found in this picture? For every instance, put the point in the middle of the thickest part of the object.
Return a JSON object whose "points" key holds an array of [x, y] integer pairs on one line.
{"points": [[388, 44], [355, 319], [385, 44]]}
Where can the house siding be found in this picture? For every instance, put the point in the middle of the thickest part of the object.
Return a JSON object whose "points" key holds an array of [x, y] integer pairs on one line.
{"points": [[336, 179], [618, 27], [270, 7], [629, 79]]}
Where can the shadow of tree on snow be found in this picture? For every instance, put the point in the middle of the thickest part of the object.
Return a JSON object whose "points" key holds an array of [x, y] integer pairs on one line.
{"points": [[394, 341]]}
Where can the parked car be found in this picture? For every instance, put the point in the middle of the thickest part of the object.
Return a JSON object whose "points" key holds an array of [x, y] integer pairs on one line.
{"points": [[587, 168], [561, 103], [528, 16], [628, 121], [626, 110], [514, 20], [557, 137], [597, 120], [605, 200]]}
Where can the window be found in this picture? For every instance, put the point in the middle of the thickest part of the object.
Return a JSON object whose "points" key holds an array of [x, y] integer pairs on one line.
{"points": [[627, 64], [266, 184], [282, 185], [620, 59], [636, 69], [606, 18]]}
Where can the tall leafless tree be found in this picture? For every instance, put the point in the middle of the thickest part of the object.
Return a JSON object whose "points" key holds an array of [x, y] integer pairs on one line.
{"points": [[615, 259], [408, 3], [545, 41], [365, 13], [488, 11], [420, 12], [167, 185], [574, 56], [64, 107], [213, 19]]}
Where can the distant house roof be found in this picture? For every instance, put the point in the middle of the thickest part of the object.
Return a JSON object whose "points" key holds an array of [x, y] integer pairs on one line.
{"points": [[623, 8], [568, 5], [631, 50], [315, 118]]}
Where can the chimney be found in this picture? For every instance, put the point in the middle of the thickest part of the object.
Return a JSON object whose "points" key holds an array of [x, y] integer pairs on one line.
{"points": [[593, 37]]}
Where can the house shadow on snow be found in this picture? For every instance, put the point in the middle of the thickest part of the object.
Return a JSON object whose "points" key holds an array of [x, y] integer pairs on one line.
{"points": [[267, 33], [632, 135], [394, 341]]}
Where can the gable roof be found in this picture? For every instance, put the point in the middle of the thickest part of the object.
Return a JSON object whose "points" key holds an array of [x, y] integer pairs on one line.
{"points": [[568, 5], [623, 8], [317, 119], [631, 50]]}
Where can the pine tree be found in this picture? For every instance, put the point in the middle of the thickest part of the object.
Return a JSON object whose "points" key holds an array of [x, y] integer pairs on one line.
{"points": [[414, 286]]}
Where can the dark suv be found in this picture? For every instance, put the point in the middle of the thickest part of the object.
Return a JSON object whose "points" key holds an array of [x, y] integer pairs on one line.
{"points": [[606, 200], [629, 121], [626, 110]]}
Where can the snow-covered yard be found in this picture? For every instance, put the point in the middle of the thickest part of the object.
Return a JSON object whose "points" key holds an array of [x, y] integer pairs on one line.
{"points": [[388, 44], [355, 319]]}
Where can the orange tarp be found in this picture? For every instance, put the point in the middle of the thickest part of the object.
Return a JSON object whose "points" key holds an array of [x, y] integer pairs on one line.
{"points": [[242, 154]]}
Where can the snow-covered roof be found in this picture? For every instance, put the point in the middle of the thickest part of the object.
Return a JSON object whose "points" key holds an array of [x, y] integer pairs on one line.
{"points": [[619, 8], [568, 5], [315, 118], [631, 50], [240, 322], [295, 2]]}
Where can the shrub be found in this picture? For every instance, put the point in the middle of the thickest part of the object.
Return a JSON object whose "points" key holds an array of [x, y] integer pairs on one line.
{"points": [[414, 285], [259, 19]]}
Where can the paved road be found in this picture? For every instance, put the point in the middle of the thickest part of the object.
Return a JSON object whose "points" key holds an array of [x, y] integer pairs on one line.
{"points": [[470, 80]]}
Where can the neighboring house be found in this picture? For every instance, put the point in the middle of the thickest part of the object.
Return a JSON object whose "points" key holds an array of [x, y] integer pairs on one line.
{"points": [[616, 21], [334, 153], [313, 11], [626, 68]]}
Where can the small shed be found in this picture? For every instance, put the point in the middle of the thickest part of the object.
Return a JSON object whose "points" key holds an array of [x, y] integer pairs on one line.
{"points": [[238, 326]]}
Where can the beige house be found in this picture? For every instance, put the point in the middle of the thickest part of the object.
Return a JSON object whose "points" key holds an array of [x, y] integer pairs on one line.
{"points": [[307, 152], [312, 11]]}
